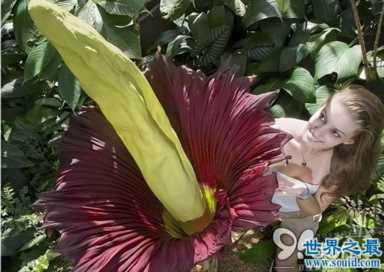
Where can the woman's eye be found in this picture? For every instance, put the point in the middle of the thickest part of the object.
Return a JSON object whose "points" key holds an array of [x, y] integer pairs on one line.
{"points": [[336, 134], [322, 116]]}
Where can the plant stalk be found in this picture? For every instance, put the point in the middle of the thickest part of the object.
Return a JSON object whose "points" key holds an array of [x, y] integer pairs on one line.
{"points": [[360, 36], [377, 38]]}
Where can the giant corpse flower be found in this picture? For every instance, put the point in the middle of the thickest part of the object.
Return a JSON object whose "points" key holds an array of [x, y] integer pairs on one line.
{"points": [[169, 163]]}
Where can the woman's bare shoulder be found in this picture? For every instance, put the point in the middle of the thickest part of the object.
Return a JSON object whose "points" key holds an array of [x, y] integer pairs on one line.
{"points": [[292, 126]]}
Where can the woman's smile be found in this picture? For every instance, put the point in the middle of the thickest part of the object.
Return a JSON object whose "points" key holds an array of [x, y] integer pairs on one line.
{"points": [[312, 137]]}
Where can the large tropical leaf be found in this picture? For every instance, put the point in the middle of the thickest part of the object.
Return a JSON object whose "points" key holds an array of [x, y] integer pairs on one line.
{"points": [[237, 6], [326, 11], [293, 9], [337, 57], [322, 93], [25, 32], [180, 45], [314, 43], [6, 9], [258, 10], [89, 13], [173, 8], [130, 8], [38, 59], [121, 31], [300, 85], [69, 87]]}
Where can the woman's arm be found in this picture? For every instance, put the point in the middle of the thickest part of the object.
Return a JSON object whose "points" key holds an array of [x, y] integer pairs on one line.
{"points": [[316, 203], [324, 198], [309, 206]]}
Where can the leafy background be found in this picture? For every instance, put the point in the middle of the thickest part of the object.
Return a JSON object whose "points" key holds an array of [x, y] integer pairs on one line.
{"points": [[304, 48]]}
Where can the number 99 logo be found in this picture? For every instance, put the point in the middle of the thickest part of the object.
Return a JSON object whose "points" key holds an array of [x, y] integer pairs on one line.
{"points": [[288, 249]]}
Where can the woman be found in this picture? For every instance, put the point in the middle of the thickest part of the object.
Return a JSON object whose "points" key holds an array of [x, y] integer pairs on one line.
{"points": [[333, 154]]}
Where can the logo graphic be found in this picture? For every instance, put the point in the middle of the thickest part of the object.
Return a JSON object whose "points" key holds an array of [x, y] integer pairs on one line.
{"points": [[330, 253]]}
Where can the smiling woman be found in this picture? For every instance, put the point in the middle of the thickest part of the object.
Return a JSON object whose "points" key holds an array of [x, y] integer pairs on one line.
{"points": [[333, 154], [350, 123]]}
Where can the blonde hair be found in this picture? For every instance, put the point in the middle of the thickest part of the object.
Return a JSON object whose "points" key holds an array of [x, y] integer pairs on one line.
{"points": [[352, 165]]}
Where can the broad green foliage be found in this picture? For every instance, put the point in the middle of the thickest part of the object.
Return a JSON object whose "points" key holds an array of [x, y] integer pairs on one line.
{"points": [[337, 57], [174, 8], [305, 49]]}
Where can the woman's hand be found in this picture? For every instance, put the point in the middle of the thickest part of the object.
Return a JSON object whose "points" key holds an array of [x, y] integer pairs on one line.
{"points": [[308, 206]]}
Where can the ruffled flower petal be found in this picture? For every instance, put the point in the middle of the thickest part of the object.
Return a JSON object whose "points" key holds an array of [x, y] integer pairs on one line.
{"points": [[109, 219], [226, 134]]}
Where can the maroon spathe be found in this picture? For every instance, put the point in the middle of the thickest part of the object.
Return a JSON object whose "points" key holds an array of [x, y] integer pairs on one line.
{"points": [[109, 219]]}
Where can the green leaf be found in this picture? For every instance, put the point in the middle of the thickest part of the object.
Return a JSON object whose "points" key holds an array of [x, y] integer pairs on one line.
{"points": [[131, 8], [126, 37], [13, 157], [380, 170], [269, 64], [258, 10], [286, 106], [376, 197], [166, 37], [25, 32], [11, 244], [315, 42], [347, 24], [303, 44], [6, 9], [173, 9], [300, 85], [11, 54], [211, 34], [51, 102], [337, 57], [311, 107], [379, 64], [334, 220], [237, 61], [292, 9], [257, 46], [363, 220], [271, 85], [40, 262], [13, 89], [201, 5], [277, 31], [278, 111], [69, 87], [326, 11], [66, 4], [218, 39], [216, 16], [237, 7], [38, 58], [322, 93], [90, 14], [260, 254], [200, 30], [178, 46], [260, 53], [35, 241], [288, 58]]}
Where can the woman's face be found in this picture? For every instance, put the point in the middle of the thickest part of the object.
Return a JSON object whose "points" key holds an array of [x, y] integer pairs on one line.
{"points": [[330, 126]]}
